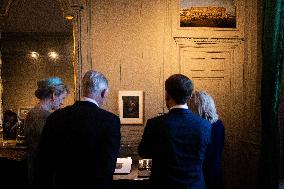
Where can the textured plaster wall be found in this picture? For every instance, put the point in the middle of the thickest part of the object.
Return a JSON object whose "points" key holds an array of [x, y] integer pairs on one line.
{"points": [[134, 45], [128, 41], [249, 138]]}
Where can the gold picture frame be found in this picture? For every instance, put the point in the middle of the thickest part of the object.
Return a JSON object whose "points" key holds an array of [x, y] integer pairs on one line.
{"points": [[23, 111], [131, 109], [200, 30], [214, 14]]}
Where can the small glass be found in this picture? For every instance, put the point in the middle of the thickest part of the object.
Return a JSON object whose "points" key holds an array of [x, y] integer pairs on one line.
{"points": [[144, 168], [145, 164], [20, 138], [1, 133]]}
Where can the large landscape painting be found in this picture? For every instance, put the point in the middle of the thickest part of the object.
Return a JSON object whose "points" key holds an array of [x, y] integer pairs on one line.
{"points": [[208, 13]]}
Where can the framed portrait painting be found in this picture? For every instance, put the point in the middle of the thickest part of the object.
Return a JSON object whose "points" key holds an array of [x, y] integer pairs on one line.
{"points": [[23, 111], [130, 105]]}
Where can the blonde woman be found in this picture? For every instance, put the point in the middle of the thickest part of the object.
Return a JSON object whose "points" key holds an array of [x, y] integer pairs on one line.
{"points": [[203, 105]]}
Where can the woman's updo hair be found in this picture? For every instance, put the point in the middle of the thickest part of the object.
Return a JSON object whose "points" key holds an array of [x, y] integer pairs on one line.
{"points": [[49, 86]]}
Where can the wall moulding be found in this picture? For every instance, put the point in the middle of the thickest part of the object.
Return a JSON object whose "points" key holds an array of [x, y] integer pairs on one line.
{"points": [[216, 65], [74, 9], [190, 41], [66, 6], [69, 7], [79, 10], [201, 56], [217, 32]]}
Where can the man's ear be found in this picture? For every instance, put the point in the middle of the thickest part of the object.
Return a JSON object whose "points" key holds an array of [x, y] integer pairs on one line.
{"points": [[103, 93], [190, 96], [167, 97], [53, 96]]}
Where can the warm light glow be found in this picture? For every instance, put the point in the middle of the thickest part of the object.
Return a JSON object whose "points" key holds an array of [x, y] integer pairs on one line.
{"points": [[69, 17], [34, 55], [53, 55]]}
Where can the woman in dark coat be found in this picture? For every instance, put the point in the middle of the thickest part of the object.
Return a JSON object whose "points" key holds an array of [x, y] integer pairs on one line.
{"points": [[51, 93], [203, 104]]}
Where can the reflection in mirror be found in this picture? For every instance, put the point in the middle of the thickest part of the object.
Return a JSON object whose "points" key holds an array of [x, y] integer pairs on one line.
{"points": [[27, 58], [36, 43], [10, 124]]}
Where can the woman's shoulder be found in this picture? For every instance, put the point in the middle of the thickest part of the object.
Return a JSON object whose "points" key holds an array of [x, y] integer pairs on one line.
{"points": [[218, 123], [38, 113]]}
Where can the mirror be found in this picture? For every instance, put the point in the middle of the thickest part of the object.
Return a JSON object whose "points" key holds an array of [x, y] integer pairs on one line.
{"points": [[36, 43]]}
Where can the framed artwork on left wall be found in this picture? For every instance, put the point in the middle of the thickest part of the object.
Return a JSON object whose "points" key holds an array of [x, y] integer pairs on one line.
{"points": [[23, 111], [131, 107]]}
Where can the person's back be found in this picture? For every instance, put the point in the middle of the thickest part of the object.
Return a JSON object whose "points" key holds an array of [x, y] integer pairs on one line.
{"points": [[81, 144], [177, 143], [34, 123], [180, 147], [203, 105], [79, 147]]}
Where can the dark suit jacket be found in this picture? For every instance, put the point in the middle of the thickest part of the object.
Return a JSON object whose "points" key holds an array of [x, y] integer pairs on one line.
{"points": [[78, 148], [177, 144]]}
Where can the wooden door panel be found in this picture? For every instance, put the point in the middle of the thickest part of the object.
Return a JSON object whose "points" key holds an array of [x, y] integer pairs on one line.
{"points": [[210, 71]]}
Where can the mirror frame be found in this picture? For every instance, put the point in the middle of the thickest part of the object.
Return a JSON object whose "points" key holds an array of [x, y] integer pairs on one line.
{"points": [[80, 11]]}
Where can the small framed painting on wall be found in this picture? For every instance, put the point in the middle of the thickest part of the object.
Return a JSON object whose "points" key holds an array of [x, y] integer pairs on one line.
{"points": [[208, 18], [131, 108], [217, 14], [23, 111]]}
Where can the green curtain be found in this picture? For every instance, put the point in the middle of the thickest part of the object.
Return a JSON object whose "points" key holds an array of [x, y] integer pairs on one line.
{"points": [[272, 66]]}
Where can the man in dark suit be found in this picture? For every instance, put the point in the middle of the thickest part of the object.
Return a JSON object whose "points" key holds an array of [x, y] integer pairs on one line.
{"points": [[80, 143], [176, 141]]}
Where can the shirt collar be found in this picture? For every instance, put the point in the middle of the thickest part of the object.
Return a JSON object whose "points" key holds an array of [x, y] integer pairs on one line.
{"points": [[90, 100], [183, 106]]}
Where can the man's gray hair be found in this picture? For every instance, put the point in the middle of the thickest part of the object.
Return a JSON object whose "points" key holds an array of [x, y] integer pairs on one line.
{"points": [[203, 105], [94, 83]]}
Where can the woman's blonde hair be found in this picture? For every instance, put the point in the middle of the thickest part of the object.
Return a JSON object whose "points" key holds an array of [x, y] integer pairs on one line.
{"points": [[203, 105]]}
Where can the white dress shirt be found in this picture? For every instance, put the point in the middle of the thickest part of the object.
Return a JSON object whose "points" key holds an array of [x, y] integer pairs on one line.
{"points": [[90, 100], [184, 106]]}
